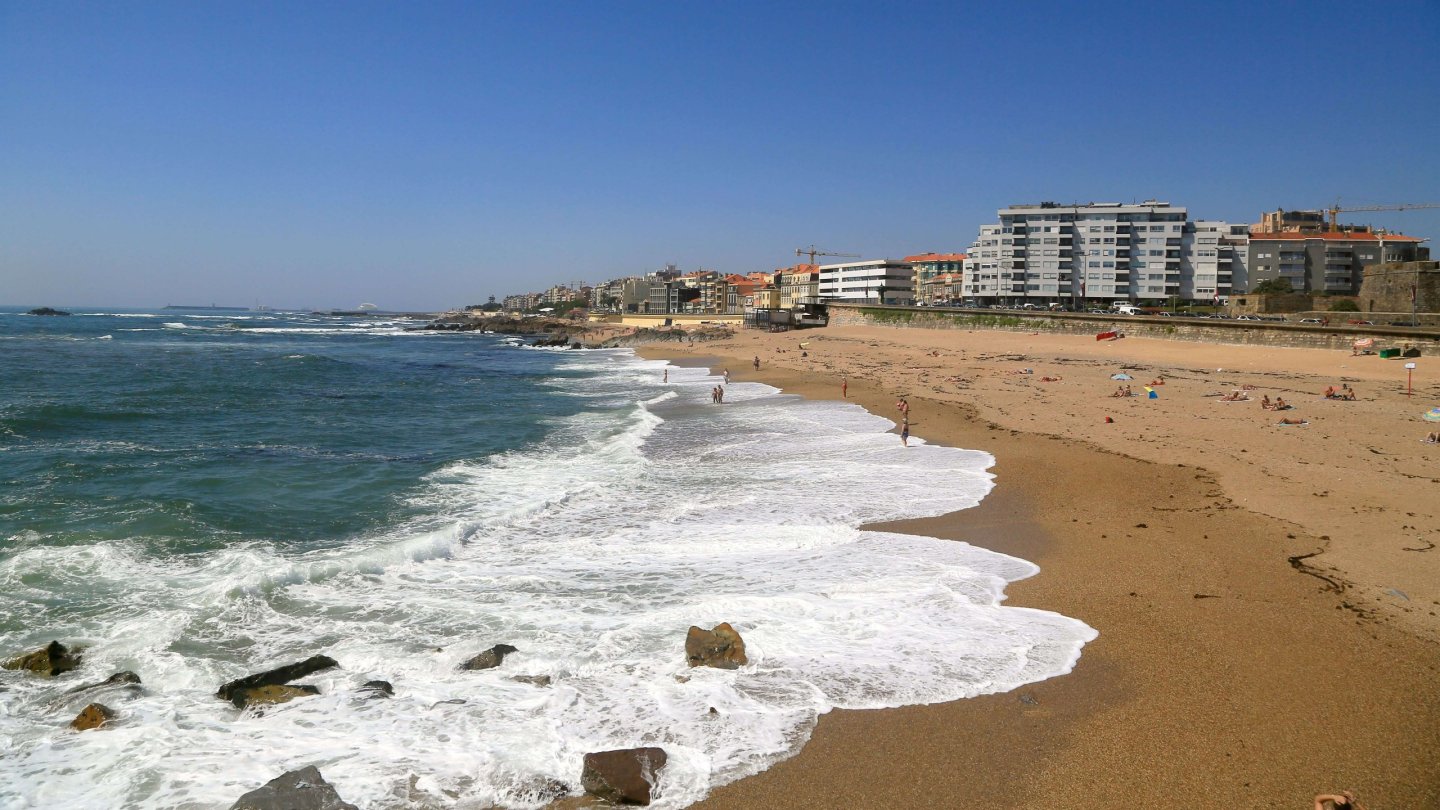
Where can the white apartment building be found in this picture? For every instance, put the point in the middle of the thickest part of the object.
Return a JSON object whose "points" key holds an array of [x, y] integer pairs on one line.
{"points": [[865, 281], [1099, 253]]}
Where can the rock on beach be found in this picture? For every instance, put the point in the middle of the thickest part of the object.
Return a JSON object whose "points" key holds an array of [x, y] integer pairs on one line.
{"points": [[624, 776], [53, 659], [93, 716], [489, 659], [721, 647], [304, 789], [271, 687]]}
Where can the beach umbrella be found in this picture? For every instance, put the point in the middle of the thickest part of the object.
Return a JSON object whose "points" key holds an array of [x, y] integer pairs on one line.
{"points": [[1121, 376], [1432, 415]]}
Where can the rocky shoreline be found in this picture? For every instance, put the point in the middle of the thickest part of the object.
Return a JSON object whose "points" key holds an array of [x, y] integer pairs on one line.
{"points": [[625, 776], [562, 332]]}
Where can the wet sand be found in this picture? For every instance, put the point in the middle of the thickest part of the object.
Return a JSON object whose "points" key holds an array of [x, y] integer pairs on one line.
{"points": [[1225, 674]]}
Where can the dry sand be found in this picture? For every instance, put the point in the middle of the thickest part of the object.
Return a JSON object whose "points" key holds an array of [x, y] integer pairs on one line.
{"points": [[1229, 672]]}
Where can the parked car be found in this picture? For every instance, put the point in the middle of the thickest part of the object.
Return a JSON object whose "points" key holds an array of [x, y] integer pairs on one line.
{"points": [[1248, 318], [1311, 320], [1360, 323]]}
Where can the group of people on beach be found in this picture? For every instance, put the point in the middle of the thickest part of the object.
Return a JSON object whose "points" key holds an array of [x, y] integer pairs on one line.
{"points": [[1123, 391], [717, 395], [1343, 392], [1278, 405], [903, 405]]}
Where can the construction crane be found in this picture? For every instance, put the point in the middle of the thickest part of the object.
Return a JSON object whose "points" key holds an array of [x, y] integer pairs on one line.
{"points": [[1335, 210], [813, 251]]}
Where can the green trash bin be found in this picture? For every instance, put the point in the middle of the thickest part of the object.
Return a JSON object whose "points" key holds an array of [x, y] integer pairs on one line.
{"points": [[1386, 354]]}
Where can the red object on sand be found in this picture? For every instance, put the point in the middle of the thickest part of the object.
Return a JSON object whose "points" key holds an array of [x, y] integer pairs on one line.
{"points": [[1105, 336], [1108, 420]]}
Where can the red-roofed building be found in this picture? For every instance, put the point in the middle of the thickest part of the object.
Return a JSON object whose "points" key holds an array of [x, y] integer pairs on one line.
{"points": [[799, 284], [1327, 262], [931, 266]]}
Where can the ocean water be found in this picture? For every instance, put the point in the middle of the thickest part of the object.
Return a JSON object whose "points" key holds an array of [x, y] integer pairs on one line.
{"points": [[199, 496]]}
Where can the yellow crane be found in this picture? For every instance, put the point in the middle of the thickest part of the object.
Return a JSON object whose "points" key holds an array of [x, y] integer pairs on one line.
{"points": [[1335, 210], [813, 251]]}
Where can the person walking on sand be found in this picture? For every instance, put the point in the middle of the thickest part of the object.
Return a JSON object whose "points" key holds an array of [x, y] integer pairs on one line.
{"points": [[757, 362], [1338, 801]]}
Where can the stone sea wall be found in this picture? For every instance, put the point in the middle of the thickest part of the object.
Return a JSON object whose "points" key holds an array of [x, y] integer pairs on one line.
{"points": [[1340, 337]]}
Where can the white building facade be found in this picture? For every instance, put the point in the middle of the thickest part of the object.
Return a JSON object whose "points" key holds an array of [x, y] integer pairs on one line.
{"points": [[1098, 253], [874, 281]]}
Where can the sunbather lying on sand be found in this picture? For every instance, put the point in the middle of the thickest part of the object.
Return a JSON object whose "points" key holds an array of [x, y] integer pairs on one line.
{"points": [[1236, 396], [1292, 420], [1049, 379]]}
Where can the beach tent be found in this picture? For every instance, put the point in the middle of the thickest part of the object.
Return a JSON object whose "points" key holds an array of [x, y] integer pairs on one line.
{"points": [[1151, 393], [1432, 415], [1121, 376]]}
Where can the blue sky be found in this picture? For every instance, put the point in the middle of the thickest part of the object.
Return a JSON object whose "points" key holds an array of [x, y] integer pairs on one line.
{"points": [[428, 155]]}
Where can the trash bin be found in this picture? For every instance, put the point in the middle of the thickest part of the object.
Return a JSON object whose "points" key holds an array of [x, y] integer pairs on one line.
{"points": [[1386, 354]]}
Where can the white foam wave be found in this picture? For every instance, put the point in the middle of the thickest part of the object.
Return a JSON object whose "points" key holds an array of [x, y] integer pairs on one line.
{"points": [[591, 553]]}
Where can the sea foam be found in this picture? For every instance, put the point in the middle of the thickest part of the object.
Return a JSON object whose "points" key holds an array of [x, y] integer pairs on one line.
{"points": [[592, 553]]}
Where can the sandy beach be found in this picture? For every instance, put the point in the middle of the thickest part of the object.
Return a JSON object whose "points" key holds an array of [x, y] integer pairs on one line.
{"points": [[1266, 596]]}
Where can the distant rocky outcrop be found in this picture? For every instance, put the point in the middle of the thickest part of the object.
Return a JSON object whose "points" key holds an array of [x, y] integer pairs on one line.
{"points": [[489, 659], [642, 337], [93, 716], [304, 789], [626, 776], [51, 660], [721, 647], [48, 311], [257, 689]]}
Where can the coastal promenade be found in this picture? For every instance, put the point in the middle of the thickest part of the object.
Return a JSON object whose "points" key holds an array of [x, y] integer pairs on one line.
{"points": [[1338, 335], [1266, 595]]}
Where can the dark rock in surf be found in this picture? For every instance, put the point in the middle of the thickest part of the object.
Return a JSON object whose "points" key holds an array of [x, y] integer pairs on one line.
{"points": [[118, 679], [277, 676], [533, 680], [53, 659], [304, 789], [270, 695], [626, 776], [489, 659], [721, 647], [372, 689]]}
